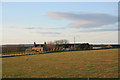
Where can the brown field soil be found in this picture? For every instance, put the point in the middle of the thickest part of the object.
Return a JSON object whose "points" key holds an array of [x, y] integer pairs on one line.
{"points": [[73, 64]]}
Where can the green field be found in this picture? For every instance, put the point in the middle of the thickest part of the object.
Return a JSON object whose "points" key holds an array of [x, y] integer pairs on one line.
{"points": [[73, 64]]}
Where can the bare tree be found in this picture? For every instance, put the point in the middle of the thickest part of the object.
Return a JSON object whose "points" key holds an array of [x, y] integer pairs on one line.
{"points": [[50, 42], [59, 42]]}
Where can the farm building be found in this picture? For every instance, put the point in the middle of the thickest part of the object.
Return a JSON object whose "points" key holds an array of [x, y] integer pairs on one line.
{"points": [[97, 48], [44, 48], [37, 48], [61, 47]]}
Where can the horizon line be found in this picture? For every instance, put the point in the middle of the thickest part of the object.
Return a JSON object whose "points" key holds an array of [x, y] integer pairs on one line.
{"points": [[43, 43]]}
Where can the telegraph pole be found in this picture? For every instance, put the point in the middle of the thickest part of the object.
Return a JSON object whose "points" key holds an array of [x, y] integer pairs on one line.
{"points": [[74, 42]]}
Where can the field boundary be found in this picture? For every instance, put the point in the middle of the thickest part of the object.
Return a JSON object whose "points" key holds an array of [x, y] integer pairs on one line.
{"points": [[60, 79], [16, 55]]}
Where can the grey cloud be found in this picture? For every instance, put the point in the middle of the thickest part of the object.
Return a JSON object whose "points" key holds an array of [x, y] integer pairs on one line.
{"points": [[48, 33], [45, 28], [100, 30], [30, 28], [84, 20]]}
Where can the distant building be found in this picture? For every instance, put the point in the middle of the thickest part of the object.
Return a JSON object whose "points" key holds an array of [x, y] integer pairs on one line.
{"points": [[97, 48], [40, 48], [109, 46]]}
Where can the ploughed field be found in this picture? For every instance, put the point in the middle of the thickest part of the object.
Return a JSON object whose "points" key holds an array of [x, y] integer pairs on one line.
{"points": [[72, 64]]}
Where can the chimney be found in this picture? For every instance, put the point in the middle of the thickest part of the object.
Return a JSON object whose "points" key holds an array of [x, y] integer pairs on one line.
{"points": [[34, 44], [44, 43]]}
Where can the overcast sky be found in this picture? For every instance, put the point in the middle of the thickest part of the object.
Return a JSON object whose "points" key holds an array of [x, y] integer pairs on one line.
{"points": [[93, 22]]}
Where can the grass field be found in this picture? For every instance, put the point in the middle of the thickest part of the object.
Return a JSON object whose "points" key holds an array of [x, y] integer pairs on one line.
{"points": [[73, 64]]}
